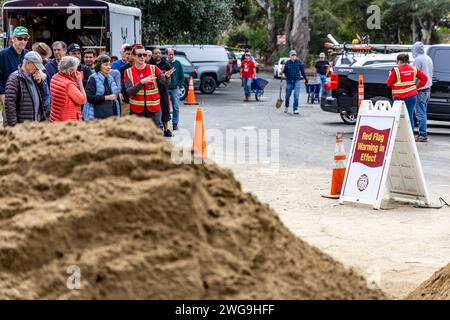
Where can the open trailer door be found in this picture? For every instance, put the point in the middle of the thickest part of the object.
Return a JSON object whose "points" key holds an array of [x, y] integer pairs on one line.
{"points": [[86, 22]]}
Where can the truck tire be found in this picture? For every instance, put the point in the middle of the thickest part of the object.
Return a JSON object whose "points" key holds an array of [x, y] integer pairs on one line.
{"points": [[349, 117], [208, 85]]}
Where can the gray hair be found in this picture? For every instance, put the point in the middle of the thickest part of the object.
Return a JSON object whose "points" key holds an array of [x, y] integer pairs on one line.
{"points": [[68, 64]]}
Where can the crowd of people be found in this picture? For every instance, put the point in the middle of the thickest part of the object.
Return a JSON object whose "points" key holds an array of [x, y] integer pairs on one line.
{"points": [[78, 85]]}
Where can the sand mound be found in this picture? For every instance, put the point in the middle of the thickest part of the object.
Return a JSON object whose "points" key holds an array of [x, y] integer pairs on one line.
{"points": [[106, 197], [437, 287]]}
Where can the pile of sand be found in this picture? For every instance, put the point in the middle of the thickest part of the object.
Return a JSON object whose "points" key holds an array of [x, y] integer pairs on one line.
{"points": [[437, 287], [107, 198]]}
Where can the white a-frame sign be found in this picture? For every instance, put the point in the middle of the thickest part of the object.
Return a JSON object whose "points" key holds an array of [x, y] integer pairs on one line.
{"points": [[383, 154]]}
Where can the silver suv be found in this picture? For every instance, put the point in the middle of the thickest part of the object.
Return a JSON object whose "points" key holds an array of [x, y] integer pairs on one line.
{"points": [[211, 61]]}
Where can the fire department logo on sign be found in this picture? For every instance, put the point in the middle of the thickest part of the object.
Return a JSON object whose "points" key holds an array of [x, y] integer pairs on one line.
{"points": [[363, 182]]}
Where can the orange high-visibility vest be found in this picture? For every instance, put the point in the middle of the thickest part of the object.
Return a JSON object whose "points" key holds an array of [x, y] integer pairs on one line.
{"points": [[148, 96], [406, 80]]}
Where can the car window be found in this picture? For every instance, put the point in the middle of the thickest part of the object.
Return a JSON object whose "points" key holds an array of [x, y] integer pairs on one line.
{"points": [[377, 61], [441, 59], [204, 53], [183, 60]]}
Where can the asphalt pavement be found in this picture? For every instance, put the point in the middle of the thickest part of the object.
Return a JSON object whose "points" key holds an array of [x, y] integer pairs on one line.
{"points": [[307, 138]]}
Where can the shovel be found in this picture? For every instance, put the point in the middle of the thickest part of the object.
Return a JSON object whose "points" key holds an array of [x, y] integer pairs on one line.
{"points": [[280, 101]]}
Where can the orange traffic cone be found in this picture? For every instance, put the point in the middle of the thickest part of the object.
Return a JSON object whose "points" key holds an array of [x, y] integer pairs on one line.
{"points": [[199, 144], [339, 168], [191, 94], [360, 90]]}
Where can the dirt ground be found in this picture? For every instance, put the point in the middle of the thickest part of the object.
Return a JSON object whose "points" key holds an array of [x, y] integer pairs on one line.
{"points": [[395, 248]]}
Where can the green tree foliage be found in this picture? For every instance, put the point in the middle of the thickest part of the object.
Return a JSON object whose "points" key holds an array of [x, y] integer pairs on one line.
{"points": [[250, 29], [190, 21], [347, 18]]}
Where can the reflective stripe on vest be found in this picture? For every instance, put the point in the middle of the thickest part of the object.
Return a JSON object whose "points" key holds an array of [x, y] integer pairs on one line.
{"points": [[399, 83], [139, 99]]}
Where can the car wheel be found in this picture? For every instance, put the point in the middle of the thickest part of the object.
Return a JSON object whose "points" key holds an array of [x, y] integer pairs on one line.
{"points": [[183, 92], [208, 85], [349, 117]]}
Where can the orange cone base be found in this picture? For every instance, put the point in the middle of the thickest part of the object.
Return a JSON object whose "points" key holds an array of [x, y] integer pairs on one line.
{"points": [[337, 181], [191, 103]]}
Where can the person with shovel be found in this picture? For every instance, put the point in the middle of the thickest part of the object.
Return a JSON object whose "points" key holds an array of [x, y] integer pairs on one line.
{"points": [[293, 70]]}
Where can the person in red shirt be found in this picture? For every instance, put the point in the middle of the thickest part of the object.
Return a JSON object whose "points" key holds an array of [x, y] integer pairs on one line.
{"points": [[402, 80], [248, 73]]}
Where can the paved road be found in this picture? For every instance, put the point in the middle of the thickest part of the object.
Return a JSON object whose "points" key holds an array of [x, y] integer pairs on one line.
{"points": [[308, 138]]}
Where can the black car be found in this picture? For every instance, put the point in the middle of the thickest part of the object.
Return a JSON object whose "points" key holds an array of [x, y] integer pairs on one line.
{"points": [[344, 87]]}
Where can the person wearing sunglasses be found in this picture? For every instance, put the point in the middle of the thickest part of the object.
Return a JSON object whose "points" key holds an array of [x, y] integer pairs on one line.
{"points": [[141, 82], [11, 58]]}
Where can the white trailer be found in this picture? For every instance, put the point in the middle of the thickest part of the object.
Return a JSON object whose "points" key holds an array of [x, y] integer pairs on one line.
{"points": [[94, 24]]}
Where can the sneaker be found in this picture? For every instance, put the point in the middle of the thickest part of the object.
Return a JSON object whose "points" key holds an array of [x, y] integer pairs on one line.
{"points": [[168, 133], [421, 139], [286, 110], [296, 112], [175, 127]]}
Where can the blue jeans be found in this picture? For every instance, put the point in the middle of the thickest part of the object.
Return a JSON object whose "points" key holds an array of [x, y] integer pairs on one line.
{"points": [[321, 80], [174, 95], [247, 86], [421, 110], [411, 106], [292, 85]]}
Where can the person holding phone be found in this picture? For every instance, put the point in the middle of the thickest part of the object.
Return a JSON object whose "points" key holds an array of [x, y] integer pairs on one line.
{"points": [[102, 92], [141, 83], [67, 92]]}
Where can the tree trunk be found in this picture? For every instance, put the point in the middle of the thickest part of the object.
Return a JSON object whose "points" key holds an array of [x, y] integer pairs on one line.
{"points": [[288, 23], [299, 31], [426, 30], [415, 36]]}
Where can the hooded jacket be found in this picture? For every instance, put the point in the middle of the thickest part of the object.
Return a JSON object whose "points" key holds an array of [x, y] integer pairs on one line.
{"points": [[20, 101], [423, 62]]}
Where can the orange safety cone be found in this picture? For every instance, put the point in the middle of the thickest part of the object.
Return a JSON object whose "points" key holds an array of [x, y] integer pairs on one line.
{"points": [[360, 90], [190, 100], [339, 168], [199, 143]]}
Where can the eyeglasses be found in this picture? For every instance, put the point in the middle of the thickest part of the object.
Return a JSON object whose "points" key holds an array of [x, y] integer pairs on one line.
{"points": [[140, 55], [22, 39]]}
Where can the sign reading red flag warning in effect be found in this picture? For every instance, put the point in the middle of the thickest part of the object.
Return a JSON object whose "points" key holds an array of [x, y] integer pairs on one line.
{"points": [[369, 152], [371, 146]]}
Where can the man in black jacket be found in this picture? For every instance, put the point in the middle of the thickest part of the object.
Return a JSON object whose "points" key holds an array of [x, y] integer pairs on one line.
{"points": [[159, 61], [25, 90], [74, 50]]}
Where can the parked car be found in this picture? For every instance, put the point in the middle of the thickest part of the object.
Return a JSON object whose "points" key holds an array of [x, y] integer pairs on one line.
{"points": [[233, 62], [189, 71], [278, 68], [188, 68], [211, 61], [344, 87], [377, 59]]}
